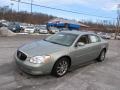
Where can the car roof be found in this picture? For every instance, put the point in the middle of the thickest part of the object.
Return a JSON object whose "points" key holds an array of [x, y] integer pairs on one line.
{"points": [[79, 32]]}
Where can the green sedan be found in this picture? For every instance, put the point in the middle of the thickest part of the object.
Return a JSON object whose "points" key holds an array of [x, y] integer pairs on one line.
{"points": [[60, 52]]}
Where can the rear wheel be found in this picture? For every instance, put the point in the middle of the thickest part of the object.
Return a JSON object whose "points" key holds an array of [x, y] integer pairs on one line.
{"points": [[102, 56], [61, 67]]}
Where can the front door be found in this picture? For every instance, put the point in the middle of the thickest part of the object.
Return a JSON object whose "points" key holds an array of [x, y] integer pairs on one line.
{"points": [[81, 54]]}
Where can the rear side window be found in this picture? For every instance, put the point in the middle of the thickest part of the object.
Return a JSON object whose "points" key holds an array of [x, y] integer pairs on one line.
{"points": [[94, 39]]}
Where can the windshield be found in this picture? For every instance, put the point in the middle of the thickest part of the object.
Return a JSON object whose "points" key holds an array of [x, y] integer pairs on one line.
{"points": [[65, 39]]}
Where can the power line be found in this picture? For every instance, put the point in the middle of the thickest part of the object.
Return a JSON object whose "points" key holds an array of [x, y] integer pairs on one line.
{"points": [[64, 10]]}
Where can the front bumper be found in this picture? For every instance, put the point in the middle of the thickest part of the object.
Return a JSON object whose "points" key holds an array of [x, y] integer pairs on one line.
{"points": [[34, 69]]}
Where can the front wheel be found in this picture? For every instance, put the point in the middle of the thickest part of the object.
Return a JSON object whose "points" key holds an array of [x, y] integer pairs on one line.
{"points": [[61, 67], [101, 56]]}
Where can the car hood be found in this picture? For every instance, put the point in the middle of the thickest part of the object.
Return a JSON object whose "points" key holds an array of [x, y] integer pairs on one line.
{"points": [[41, 48]]}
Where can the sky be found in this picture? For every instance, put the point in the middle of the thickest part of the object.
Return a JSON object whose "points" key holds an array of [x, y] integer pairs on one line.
{"points": [[103, 8]]}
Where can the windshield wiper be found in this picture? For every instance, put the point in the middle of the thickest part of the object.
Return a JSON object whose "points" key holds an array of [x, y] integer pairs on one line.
{"points": [[53, 42], [50, 41], [58, 43], [44, 39]]}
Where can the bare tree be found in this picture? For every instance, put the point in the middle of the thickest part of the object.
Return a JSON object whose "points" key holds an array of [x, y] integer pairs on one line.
{"points": [[118, 21], [24, 16]]}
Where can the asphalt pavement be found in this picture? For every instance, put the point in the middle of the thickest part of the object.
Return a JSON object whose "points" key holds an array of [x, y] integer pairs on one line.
{"points": [[95, 76]]}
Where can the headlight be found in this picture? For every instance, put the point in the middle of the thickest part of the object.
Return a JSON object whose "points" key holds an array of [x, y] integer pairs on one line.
{"points": [[40, 59]]}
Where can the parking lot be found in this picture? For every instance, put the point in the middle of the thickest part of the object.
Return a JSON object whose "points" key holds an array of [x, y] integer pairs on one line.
{"points": [[95, 76]]}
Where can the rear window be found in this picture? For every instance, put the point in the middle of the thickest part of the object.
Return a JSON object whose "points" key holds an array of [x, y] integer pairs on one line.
{"points": [[94, 39]]}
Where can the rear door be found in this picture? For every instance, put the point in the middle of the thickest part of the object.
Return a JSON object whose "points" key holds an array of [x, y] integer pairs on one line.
{"points": [[95, 46]]}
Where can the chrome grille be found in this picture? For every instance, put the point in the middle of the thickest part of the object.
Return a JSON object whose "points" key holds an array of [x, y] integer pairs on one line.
{"points": [[21, 55]]}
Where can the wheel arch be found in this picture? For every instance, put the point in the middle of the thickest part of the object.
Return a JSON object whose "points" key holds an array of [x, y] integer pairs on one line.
{"points": [[104, 49], [65, 56]]}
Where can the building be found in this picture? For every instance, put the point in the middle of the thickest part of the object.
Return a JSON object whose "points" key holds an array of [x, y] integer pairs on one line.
{"points": [[65, 23]]}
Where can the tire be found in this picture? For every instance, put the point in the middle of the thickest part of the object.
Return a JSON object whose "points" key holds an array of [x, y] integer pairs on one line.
{"points": [[61, 67], [102, 56]]}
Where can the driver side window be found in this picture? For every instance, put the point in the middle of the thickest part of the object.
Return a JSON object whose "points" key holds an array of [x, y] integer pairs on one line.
{"points": [[84, 39]]}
